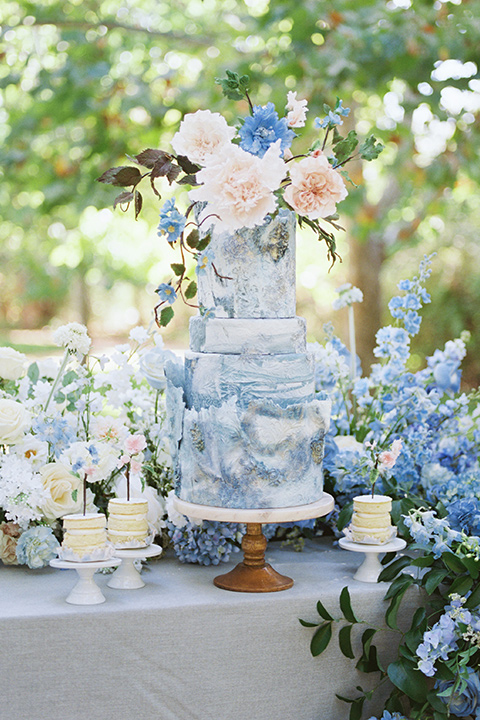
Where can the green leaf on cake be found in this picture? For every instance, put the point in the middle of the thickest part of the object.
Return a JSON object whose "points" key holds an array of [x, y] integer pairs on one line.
{"points": [[193, 238], [165, 316], [191, 290], [234, 87], [370, 149]]}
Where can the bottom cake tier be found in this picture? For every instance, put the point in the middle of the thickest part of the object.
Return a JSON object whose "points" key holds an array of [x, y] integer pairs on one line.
{"points": [[237, 454]]}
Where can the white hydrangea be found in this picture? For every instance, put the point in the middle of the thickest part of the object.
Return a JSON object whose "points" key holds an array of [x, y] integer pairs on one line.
{"points": [[73, 337], [347, 295], [139, 335], [21, 490]]}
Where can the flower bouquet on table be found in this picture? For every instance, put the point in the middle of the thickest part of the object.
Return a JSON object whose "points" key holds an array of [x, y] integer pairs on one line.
{"points": [[68, 429], [242, 177], [437, 424]]}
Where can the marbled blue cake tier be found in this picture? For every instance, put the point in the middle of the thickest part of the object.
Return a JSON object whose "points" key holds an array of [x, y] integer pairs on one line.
{"points": [[254, 273], [246, 430]]}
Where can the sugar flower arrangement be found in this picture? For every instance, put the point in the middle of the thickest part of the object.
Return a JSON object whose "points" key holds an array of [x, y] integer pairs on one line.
{"points": [[241, 175]]}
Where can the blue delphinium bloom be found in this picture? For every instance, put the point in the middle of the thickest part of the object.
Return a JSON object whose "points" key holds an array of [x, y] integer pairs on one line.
{"points": [[264, 128], [390, 716], [166, 293], [172, 223], [36, 547], [208, 544], [56, 431]]}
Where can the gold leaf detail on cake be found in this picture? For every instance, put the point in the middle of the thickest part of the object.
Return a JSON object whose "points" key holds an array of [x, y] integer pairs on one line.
{"points": [[197, 438], [276, 243], [317, 447]]}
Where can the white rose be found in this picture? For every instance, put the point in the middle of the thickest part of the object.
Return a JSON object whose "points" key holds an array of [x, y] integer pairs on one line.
{"points": [[12, 363], [60, 484], [14, 421], [151, 367]]}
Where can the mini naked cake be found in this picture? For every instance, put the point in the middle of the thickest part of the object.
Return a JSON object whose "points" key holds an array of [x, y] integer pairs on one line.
{"points": [[127, 522], [85, 538], [371, 522]]}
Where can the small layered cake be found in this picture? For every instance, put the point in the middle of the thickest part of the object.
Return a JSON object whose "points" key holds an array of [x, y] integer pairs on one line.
{"points": [[371, 522], [127, 522], [85, 535]]}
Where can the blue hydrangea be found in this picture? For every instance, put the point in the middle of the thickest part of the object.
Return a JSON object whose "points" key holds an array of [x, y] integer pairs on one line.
{"points": [[264, 128], [56, 431], [208, 544], [172, 222], [464, 515], [36, 547], [390, 716], [166, 293]]}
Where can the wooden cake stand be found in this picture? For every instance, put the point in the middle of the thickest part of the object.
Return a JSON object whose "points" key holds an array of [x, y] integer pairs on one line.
{"points": [[253, 574]]}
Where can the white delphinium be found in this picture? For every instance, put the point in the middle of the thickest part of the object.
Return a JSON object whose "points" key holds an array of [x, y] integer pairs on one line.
{"points": [[21, 490], [139, 335]]}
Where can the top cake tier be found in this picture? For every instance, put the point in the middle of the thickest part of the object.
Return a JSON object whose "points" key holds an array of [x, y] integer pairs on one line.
{"points": [[253, 271]]}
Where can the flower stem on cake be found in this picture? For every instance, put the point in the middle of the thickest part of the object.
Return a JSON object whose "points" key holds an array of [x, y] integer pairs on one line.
{"points": [[132, 457], [384, 460], [241, 177]]}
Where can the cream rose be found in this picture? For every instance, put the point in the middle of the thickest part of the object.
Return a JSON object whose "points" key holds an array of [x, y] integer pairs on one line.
{"points": [[239, 187], [60, 484], [12, 363], [315, 188], [14, 421], [201, 134]]}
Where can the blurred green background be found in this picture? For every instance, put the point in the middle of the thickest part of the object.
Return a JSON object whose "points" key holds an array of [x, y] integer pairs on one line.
{"points": [[83, 83]]}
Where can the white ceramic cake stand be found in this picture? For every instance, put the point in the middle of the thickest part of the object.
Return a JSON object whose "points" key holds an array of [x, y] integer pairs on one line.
{"points": [[371, 567], [126, 576], [86, 591], [253, 574]]}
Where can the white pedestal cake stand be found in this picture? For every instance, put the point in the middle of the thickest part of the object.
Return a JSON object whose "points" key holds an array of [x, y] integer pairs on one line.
{"points": [[253, 574], [86, 591], [126, 576], [371, 567]]}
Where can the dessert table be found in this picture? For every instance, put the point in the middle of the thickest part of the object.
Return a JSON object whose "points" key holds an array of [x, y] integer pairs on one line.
{"points": [[180, 648]]}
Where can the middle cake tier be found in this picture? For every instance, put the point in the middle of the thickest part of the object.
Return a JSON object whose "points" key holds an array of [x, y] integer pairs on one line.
{"points": [[211, 379]]}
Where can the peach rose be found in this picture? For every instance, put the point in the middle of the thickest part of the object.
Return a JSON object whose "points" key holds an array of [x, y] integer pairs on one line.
{"points": [[12, 363], [315, 188], [60, 484], [9, 534], [14, 421], [239, 187], [201, 134]]}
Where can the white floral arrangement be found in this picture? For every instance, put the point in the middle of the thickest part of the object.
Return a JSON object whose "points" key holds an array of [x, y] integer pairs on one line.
{"points": [[69, 431], [241, 175]]}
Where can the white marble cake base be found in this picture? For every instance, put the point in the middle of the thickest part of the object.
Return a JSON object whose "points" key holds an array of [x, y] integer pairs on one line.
{"points": [[256, 515], [247, 335]]}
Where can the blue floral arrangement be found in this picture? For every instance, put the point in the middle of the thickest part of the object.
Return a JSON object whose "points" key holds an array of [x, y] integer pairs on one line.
{"points": [[435, 486]]}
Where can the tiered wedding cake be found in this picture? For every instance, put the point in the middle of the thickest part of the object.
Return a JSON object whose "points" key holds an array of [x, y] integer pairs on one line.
{"points": [[246, 428]]}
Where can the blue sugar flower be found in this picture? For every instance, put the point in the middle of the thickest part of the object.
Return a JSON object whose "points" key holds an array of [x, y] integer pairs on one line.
{"points": [[204, 259], [36, 547], [264, 128], [56, 431], [328, 121], [166, 293], [172, 223]]}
